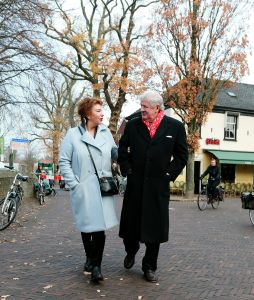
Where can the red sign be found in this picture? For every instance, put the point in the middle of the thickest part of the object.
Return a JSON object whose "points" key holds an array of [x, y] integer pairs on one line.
{"points": [[212, 141]]}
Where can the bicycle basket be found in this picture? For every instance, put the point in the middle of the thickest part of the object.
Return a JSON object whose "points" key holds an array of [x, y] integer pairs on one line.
{"points": [[13, 194], [36, 186], [247, 200]]}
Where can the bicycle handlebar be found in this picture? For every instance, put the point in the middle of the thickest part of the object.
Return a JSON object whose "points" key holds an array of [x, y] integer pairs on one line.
{"points": [[9, 167]]}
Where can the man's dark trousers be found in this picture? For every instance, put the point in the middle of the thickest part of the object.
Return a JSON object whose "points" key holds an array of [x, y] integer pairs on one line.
{"points": [[149, 261]]}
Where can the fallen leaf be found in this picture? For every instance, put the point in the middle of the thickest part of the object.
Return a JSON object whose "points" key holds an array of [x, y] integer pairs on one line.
{"points": [[48, 287]]}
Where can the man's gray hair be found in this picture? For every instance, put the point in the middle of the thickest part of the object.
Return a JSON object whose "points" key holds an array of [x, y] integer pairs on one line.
{"points": [[154, 98]]}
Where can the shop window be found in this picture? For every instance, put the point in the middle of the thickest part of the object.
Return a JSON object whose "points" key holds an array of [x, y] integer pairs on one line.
{"points": [[230, 129], [227, 173]]}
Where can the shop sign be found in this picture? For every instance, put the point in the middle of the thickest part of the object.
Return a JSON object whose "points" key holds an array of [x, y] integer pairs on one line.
{"points": [[209, 141]]}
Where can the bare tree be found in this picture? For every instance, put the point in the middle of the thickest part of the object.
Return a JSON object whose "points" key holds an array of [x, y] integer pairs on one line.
{"points": [[19, 20], [101, 48], [203, 50], [52, 109]]}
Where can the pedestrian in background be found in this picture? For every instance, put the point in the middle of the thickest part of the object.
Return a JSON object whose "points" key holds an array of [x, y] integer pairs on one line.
{"points": [[93, 213], [145, 156], [38, 170]]}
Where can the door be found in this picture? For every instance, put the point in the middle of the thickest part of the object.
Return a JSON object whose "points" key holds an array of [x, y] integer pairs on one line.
{"points": [[227, 173], [196, 176]]}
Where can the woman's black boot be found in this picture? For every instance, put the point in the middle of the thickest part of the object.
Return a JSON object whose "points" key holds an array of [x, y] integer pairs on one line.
{"points": [[96, 275], [88, 267]]}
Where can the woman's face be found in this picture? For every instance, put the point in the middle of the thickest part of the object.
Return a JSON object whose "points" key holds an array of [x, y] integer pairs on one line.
{"points": [[213, 162], [96, 115]]}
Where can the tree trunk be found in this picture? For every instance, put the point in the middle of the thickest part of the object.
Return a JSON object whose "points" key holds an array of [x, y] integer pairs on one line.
{"points": [[190, 176], [115, 111], [115, 115], [71, 115]]}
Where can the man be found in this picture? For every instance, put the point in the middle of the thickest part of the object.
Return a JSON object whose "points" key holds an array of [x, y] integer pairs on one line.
{"points": [[145, 156], [214, 177]]}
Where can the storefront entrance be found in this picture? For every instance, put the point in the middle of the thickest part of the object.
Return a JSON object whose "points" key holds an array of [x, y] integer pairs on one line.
{"points": [[196, 177], [227, 173]]}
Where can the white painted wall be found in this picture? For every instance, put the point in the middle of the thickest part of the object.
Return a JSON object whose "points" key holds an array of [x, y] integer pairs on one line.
{"points": [[214, 128]]}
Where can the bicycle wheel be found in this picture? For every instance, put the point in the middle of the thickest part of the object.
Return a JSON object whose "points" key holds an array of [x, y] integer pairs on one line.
{"points": [[251, 214], [202, 200], [8, 217], [215, 202], [53, 192], [41, 199]]}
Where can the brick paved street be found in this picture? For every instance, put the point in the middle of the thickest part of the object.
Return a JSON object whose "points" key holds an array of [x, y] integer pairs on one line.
{"points": [[209, 256]]}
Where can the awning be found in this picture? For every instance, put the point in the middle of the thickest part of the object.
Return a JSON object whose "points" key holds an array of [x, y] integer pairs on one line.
{"points": [[234, 157]]}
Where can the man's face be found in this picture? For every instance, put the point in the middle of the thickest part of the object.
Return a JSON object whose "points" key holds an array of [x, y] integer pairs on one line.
{"points": [[148, 112]]}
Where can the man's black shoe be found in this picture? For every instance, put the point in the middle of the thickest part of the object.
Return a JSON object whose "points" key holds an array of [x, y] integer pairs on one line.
{"points": [[88, 267], [150, 276], [129, 261], [96, 275]]}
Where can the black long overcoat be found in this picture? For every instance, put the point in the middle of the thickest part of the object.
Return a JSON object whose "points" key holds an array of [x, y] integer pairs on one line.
{"points": [[149, 165]]}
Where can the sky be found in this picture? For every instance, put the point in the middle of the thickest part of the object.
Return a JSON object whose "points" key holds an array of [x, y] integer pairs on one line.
{"points": [[250, 78], [132, 106]]}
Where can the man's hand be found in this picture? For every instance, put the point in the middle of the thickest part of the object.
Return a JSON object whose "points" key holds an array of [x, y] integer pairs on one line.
{"points": [[115, 166]]}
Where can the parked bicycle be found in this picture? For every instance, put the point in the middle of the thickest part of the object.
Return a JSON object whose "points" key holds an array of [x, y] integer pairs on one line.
{"points": [[205, 199], [43, 188], [248, 203], [10, 204]]}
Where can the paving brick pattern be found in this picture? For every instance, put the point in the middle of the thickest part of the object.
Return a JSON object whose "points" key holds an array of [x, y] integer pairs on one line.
{"points": [[209, 256]]}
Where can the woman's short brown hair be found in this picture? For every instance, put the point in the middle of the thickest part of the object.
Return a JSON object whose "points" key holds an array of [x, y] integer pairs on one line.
{"points": [[85, 106]]}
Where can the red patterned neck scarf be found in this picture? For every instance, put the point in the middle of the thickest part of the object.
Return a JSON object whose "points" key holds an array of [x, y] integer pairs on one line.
{"points": [[154, 126]]}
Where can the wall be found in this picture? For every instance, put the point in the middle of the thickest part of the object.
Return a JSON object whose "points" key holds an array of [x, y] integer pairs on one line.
{"points": [[244, 174], [6, 178], [214, 128]]}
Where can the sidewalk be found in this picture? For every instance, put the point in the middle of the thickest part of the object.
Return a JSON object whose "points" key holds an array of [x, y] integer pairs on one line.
{"points": [[209, 256]]}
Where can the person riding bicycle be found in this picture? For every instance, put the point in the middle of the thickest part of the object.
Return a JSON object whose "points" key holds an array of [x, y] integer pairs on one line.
{"points": [[214, 177]]}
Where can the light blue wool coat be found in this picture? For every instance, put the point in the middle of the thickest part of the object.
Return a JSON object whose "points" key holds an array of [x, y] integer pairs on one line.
{"points": [[92, 212]]}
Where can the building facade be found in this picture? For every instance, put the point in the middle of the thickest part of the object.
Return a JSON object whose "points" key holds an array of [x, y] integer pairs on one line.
{"points": [[228, 135]]}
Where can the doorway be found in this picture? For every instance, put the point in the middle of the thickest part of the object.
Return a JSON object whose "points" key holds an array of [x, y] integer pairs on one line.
{"points": [[227, 173], [196, 177]]}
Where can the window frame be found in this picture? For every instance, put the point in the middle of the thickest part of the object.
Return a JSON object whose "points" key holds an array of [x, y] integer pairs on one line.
{"points": [[228, 124]]}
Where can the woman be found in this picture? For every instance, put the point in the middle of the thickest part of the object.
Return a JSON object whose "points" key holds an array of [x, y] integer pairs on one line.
{"points": [[214, 177], [93, 213]]}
